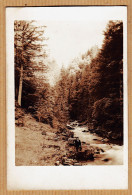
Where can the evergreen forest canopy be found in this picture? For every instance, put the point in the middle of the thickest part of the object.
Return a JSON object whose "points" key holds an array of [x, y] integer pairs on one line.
{"points": [[91, 93]]}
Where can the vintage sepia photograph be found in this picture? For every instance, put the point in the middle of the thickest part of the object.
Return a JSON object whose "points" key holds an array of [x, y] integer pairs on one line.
{"points": [[67, 97], [68, 110]]}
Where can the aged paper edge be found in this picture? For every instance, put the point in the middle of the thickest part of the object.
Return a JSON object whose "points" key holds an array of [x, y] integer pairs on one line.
{"points": [[15, 3]]}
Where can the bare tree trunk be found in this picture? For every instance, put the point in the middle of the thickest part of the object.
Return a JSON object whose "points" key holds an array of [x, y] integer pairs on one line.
{"points": [[20, 86]]}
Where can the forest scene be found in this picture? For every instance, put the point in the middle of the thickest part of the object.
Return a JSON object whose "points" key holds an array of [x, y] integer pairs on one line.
{"points": [[68, 115]]}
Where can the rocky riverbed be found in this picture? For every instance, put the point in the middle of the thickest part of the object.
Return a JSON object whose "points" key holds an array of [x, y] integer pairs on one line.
{"points": [[38, 144], [106, 153]]}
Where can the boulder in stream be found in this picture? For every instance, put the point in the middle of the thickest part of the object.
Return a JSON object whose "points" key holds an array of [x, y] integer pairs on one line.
{"points": [[85, 155], [85, 131], [70, 127]]}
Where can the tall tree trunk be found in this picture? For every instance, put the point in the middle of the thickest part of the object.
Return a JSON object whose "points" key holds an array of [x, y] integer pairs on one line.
{"points": [[20, 86]]}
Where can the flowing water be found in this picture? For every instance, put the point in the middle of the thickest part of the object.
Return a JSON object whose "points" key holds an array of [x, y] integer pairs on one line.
{"points": [[111, 154]]}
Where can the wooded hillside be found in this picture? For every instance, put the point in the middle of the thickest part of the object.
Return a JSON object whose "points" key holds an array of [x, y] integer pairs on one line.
{"points": [[90, 90]]}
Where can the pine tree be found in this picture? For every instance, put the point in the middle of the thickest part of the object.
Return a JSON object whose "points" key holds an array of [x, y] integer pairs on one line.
{"points": [[27, 46]]}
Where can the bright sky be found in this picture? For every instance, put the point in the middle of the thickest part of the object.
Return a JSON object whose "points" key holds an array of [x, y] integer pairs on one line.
{"points": [[68, 40], [71, 30]]}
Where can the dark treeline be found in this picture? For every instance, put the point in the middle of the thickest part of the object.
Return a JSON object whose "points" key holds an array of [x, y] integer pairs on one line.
{"points": [[89, 91]]}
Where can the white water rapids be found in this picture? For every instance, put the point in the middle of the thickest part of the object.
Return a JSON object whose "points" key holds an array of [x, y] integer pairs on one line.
{"points": [[112, 155]]}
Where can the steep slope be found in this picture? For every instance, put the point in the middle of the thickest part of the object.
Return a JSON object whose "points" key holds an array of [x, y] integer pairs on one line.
{"points": [[37, 143]]}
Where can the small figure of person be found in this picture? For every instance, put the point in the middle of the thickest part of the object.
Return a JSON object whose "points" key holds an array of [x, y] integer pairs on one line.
{"points": [[78, 145]]}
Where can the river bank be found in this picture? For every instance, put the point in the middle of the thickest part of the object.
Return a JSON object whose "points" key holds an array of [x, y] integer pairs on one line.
{"points": [[38, 144]]}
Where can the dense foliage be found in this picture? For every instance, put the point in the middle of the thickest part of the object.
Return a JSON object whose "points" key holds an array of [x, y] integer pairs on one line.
{"points": [[28, 50], [98, 89], [90, 90]]}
